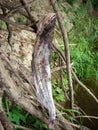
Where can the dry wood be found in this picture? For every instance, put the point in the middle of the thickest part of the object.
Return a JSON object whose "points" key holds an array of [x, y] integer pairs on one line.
{"points": [[15, 87], [9, 8], [14, 81], [67, 50], [41, 65], [4, 120], [8, 27], [5, 124]]}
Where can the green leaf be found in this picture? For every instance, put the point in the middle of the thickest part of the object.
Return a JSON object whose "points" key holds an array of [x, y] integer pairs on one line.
{"points": [[16, 116], [2, 25]]}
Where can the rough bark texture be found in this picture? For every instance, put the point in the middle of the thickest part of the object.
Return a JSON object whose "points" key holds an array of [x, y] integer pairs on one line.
{"points": [[16, 81], [6, 124], [17, 84], [41, 65]]}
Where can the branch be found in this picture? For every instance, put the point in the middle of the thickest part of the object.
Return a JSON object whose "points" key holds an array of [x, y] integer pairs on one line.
{"points": [[67, 50], [21, 127], [84, 86], [17, 90], [59, 51], [24, 3], [58, 68], [20, 7], [3, 118], [16, 24], [15, 87], [41, 65], [91, 117], [1, 108], [10, 5], [6, 124], [8, 28]]}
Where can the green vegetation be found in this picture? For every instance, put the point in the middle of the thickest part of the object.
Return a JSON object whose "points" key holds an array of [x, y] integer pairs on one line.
{"points": [[2, 25], [22, 19], [83, 39], [21, 118]]}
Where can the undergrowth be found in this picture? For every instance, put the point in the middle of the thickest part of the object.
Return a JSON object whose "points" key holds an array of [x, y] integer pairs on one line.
{"points": [[83, 39], [84, 36], [21, 118]]}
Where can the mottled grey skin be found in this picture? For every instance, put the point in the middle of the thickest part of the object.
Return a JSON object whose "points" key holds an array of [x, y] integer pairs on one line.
{"points": [[41, 65]]}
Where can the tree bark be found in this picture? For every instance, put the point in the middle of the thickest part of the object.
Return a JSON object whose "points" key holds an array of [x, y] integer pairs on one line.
{"points": [[12, 82]]}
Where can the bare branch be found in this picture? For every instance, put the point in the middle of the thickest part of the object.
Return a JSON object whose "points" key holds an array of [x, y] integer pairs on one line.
{"points": [[67, 51], [6, 124], [24, 3], [8, 27], [57, 49], [15, 87], [20, 6], [41, 65], [3, 118], [16, 24], [91, 117], [21, 127], [84, 86]]}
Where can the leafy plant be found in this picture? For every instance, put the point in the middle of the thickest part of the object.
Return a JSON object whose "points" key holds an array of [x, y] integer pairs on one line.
{"points": [[17, 116], [83, 36], [2, 25], [58, 94], [22, 19]]}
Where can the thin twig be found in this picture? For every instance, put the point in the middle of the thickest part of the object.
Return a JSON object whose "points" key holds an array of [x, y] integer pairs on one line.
{"points": [[25, 12], [82, 111], [17, 9], [6, 124], [23, 2], [67, 51], [1, 107], [21, 127], [84, 86], [16, 24], [16, 92], [92, 117], [57, 49], [58, 68], [8, 28]]}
